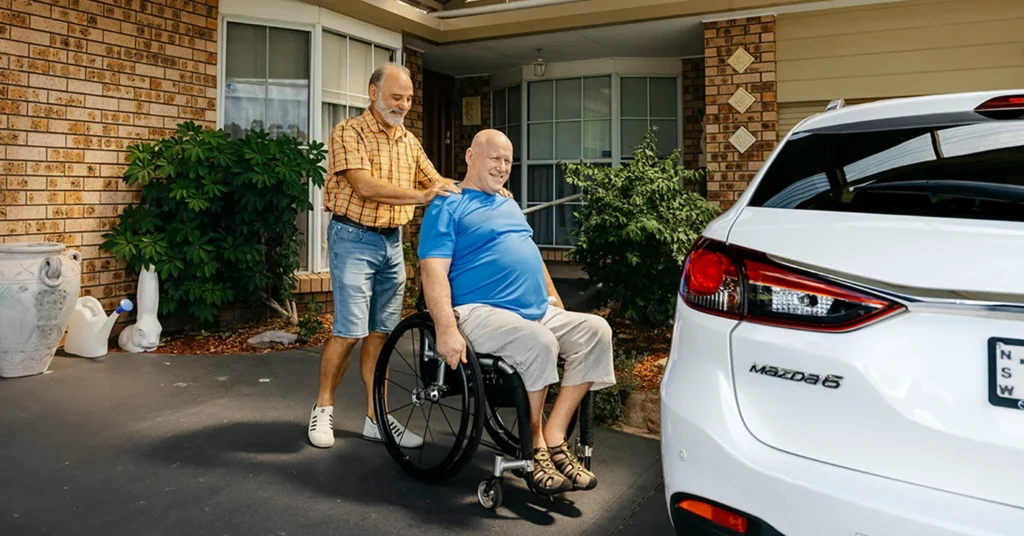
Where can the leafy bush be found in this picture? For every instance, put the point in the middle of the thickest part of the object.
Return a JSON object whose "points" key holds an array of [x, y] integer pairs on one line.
{"points": [[635, 228], [217, 218], [609, 403]]}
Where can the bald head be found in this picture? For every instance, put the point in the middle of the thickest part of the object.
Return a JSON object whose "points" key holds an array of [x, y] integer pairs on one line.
{"points": [[489, 161]]}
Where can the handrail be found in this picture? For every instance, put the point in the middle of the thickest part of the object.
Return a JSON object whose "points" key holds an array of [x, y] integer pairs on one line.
{"points": [[550, 204]]}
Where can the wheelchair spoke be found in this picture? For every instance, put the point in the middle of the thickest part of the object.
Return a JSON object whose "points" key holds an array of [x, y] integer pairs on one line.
{"points": [[399, 386], [445, 415], [426, 433]]}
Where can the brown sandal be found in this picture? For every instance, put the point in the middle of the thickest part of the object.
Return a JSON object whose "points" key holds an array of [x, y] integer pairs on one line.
{"points": [[545, 476], [566, 462]]}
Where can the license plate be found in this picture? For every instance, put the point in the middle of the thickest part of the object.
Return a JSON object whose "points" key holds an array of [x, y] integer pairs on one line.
{"points": [[1006, 372]]}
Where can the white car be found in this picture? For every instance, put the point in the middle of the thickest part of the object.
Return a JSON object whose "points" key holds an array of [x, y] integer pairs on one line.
{"points": [[848, 349]]}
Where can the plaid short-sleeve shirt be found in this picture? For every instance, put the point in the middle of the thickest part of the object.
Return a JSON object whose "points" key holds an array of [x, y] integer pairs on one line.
{"points": [[398, 159]]}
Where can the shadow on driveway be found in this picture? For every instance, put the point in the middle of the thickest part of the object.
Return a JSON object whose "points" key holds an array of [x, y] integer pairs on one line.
{"points": [[196, 445]]}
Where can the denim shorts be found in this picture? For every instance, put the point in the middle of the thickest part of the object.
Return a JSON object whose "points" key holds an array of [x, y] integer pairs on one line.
{"points": [[368, 280]]}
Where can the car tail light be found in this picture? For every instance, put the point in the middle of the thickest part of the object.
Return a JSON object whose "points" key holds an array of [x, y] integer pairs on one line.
{"points": [[1006, 102], [716, 515], [746, 285]]}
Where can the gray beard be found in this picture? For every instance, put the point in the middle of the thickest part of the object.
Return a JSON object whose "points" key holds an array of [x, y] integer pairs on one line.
{"points": [[389, 118]]}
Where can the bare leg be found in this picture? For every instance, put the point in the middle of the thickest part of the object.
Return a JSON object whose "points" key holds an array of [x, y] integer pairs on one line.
{"points": [[568, 400], [334, 362], [368, 364], [537, 416]]}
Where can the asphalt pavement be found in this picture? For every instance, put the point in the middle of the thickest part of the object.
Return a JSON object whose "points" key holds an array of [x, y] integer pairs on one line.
{"points": [[193, 445]]}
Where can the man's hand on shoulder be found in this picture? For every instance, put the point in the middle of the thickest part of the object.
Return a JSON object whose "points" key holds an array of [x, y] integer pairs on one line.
{"points": [[505, 193], [452, 346], [442, 188]]}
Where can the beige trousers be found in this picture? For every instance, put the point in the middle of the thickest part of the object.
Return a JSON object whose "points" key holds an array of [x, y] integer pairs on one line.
{"points": [[532, 347]]}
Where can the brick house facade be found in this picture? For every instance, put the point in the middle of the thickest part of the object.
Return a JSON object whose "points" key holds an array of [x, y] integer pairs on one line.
{"points": [[79, 81]]}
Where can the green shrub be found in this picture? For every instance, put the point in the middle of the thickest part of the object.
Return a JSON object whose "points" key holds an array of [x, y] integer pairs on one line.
{"points": [[610, 402], [217, 218], [635, 228]]}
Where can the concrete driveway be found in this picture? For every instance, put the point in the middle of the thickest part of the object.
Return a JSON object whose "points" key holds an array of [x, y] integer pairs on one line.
{"points": [[196, 445]]}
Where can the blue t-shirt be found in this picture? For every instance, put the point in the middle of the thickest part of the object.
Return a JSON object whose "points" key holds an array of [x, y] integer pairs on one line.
{"points": [[490, 243]]}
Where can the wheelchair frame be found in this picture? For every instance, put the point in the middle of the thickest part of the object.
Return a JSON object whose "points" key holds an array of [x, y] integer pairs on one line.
{"points": [[494, 384]]}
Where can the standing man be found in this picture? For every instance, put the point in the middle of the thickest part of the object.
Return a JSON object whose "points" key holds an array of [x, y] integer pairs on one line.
{"points": [[377, 175]]}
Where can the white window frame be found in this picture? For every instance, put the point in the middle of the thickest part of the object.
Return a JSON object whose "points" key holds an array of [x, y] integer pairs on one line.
{"points": [[617, 69], [288, 14]]}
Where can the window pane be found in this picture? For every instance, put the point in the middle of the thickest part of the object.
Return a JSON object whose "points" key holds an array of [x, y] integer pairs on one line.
{"points": [[567, 99], [663, 97], [515, 134], [543, 226], [498, 107], [246, 55], [562, 187], [565, 222], [335, 71], [515, 105], [597, 96], [667, 136], [381, 56], [288, 111], [541, 141], [541, 184], [360, 67], [597, 139], [567, 140], [541, 101], [634, 97], [515, 183], [289, 54], [633, 131], [244, 108]]}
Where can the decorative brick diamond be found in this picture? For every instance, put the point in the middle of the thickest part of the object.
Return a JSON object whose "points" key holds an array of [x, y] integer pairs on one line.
{"points": [[741, 59], [742, 139], [741, 100]]}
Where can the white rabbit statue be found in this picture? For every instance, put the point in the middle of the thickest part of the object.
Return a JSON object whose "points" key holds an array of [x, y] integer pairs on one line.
{"points": [[144, 334]]}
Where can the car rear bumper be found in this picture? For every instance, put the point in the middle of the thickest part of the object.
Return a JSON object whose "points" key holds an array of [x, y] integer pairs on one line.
{"points": [[707, 452]]}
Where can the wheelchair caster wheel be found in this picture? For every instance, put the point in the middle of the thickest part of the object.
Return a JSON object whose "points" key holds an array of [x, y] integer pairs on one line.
{"points": [[489, 493]]}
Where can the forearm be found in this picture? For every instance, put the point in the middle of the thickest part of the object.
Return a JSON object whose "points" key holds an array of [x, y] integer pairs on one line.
{"points": [[552, 291], [438, 293], [382, 192]]}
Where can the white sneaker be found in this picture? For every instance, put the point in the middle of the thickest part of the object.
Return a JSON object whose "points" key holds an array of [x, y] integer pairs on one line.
{"points": [[405, 438], [321, 426]]}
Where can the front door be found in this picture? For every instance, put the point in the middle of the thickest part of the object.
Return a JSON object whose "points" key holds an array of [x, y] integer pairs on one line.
{"points": [[439, 121]]}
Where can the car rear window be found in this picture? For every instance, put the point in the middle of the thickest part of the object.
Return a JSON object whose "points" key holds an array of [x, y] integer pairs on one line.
{"points": [[967, 169]]}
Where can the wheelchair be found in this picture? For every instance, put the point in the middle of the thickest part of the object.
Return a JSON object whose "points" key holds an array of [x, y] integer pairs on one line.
{"points": [[488, 394]]}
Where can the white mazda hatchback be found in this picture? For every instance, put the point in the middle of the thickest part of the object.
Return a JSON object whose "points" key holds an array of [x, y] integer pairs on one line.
{"points": [[848, 349]]}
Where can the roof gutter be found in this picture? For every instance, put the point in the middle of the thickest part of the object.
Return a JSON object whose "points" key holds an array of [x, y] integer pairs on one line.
{"points": [[496, 8]]}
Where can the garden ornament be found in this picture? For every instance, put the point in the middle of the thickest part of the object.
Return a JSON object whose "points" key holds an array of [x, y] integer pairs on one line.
{"points": [[38, 286], [89, 331], [144, 334]]}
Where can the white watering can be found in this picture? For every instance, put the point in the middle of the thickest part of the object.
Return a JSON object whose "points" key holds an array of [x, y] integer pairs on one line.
{"points": [[89, 329]]}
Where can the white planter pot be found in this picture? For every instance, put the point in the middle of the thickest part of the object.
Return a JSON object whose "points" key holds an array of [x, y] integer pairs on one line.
{"points": [[39, 283]]}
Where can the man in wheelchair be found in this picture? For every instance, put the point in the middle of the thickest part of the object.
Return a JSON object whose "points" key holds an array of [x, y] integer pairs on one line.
{"points": [[484, 281]]}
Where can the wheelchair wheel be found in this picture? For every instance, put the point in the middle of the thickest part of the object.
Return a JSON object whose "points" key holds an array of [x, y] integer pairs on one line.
{"points": [[503, 427], [415, 387]]}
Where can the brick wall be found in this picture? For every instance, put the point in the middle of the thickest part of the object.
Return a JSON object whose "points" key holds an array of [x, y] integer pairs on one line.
{"points": [[414, 122], [693, 111], [750, 120], [80, 80], [471, 86]]}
